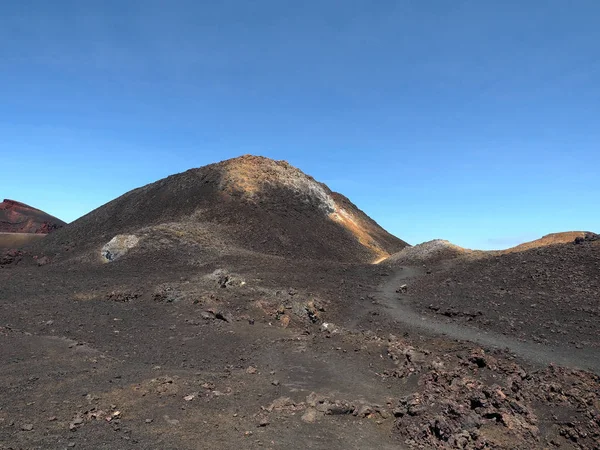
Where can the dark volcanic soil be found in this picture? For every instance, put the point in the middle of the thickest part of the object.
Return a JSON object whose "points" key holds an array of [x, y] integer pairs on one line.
{"points": [[259, 352], [549, 295]]}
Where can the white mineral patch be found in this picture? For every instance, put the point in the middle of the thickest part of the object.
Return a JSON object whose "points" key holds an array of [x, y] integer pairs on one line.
{"points": [[119, 246]]}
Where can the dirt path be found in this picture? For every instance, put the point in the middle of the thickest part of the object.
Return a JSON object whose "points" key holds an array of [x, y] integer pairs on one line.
{"points": [[403, 311]]}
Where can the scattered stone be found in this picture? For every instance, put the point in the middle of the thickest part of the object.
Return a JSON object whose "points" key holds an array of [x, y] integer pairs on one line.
{"points": [[76, 423], [251, 370], [114, 415], [284, 320], [315, 399], [226, 316], [363, 411], [310, 416], [338, 409], [329, 328], [281, 403], [27, 427], [43, 261], [264, 423]]}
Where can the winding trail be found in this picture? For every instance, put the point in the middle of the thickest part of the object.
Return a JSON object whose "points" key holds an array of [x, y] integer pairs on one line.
{"points": [[404, 312]]}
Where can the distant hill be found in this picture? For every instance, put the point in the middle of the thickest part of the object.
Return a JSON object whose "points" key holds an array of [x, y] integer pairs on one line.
{"points": [[428, 252], [17, 217], [550, 239], [542, 288], [252, 203], [439, 250]]}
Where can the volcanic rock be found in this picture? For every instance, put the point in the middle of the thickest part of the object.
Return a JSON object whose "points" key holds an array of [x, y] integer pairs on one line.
{"points": [[16, 217], [248, 203], [427, 252], [547, 293]]}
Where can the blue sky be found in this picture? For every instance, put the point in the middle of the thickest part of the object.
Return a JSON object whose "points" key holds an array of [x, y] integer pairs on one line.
{"points": [[475, 121]]}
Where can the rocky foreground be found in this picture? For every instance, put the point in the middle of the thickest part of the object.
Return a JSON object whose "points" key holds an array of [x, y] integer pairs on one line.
{"points": [[260, 353]]}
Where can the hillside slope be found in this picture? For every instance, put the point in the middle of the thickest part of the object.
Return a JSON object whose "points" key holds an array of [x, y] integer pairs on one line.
{"points": [[250, 202], [548, 293], [17, 217]]}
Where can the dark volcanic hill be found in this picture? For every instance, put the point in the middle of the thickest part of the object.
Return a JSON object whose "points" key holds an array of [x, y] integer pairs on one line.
{"points": [[250, 203], [545, 292], [16, 217]]}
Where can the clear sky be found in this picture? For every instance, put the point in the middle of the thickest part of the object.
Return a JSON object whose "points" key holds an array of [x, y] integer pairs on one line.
{"points": [[475, 121]]}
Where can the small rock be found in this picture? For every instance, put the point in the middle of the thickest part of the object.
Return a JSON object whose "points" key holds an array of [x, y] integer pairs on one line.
{"points": [[285, 321], [263, 423], [148, 420], [189, 398], [75, 423], [43, 261], [337, 409], [402, 288], [364, 411], [251, 370], [310, 416], [280, 403], [27, 427], [328, 328], [313, 399], [227, 317], [275, 382]]}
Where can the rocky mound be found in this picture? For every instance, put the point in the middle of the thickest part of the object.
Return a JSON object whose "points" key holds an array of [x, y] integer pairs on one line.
{"points": [[548, 294], [17, 217], [549, 239], [250, 202], [428, 252], [439, 250], [587, 237]]}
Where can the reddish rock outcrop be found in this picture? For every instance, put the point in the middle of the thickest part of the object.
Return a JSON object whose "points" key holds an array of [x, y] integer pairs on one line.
{"points": [[17, 217]]}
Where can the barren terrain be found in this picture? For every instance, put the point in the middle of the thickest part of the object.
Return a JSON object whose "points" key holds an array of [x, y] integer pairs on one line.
{"points": [[17, 240], [155, 324]]}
